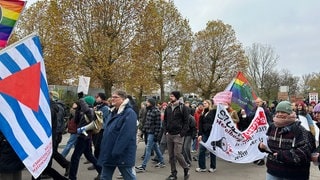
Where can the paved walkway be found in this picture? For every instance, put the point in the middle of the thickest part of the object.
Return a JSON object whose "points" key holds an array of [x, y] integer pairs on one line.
{"points": [[225, 170]]}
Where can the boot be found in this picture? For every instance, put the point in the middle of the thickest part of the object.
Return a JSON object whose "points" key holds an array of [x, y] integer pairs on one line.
{"points": [[186, 173]]}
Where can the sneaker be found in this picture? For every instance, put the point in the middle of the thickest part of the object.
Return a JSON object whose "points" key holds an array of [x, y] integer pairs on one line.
{"points": [[160, 165], [195, 158], [119, 176], [66, 173], [200, 170], [140, 169], [91, 167], [211, 170], [87, 162], [172, 177]]}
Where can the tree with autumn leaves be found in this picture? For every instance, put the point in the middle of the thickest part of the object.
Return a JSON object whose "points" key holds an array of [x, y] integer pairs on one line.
{"points": [[139, 46]]}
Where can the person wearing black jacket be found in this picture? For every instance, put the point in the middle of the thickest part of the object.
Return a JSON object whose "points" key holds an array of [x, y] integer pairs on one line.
{"points": [[10, 163], [152, 128], [49, 170], [205, 126], [175, 125]]}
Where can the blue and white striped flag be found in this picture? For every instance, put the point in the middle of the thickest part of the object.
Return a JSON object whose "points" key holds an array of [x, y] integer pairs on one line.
{"points": [[25, 116]]}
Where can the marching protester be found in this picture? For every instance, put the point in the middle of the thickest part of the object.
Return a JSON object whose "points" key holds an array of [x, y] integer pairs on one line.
{"points": [[152, 129], [83, 116], [163, 141], [302, 111], [176, 126], [197, 114], [244, 120], [260, 103], [59, 130], [118, 144], [316, 114], [10, 164], [72, 129], [205, 126], [102, 106], [49, 170], [289, 146]]}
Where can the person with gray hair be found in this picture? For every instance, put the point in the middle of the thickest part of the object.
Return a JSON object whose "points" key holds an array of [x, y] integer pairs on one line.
{"points": [[118, 145]]}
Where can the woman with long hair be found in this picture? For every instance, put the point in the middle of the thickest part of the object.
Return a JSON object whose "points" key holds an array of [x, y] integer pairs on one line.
{"points": [[205, 125]]}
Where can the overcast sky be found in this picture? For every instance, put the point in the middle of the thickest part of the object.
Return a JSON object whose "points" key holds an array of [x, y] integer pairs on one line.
{"points": [[290, 27]]}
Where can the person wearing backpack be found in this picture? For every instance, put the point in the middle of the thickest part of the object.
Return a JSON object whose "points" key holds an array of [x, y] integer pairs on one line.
{"points": [[101, 105], [289, 146], [175, 126], [83, 116], [58, 129]]}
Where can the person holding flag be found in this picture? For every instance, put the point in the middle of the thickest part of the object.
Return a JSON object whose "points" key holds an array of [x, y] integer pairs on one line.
{"points": [[205, 125]]}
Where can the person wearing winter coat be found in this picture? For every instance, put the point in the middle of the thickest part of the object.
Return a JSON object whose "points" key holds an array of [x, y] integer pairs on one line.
{"points": [[205, 126], [118, 145], [289, 146]]}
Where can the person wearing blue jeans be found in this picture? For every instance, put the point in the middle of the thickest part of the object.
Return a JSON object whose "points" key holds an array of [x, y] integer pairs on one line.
{"points": [[71, 142], [83, 145], [119, 142], [151, 144], [152, 129]]}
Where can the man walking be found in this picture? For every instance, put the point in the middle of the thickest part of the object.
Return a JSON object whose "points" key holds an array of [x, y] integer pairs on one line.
{"points": [[176, 126], [152, 127], [118, 145]]}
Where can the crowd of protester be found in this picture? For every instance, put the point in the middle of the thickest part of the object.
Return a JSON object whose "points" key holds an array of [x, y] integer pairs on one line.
{"points": [[161, 126]]}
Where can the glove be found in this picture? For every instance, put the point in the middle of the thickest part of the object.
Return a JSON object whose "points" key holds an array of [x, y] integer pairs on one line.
{"points": [[82, 130]]}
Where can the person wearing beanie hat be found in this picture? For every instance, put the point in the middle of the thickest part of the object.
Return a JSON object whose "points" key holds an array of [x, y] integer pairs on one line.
{"points": [[289, 146], [83, 117], [152, 129], [176, 94], [152, 101], [89, 100], [176, 126], [284, 106]]}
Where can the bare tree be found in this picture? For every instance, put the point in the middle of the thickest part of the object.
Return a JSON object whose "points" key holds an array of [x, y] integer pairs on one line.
{"points": [[262, 60]]}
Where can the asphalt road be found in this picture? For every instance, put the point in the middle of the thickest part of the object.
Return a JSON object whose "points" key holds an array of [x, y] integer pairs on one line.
{"points": [[225, 170]]}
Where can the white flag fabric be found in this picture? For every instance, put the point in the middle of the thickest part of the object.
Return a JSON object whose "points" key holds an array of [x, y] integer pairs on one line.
{"points": [[230, 144], [25, 116]]}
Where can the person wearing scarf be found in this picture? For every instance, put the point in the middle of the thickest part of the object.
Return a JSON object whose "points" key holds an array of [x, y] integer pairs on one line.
{"points": [[289, 146]]}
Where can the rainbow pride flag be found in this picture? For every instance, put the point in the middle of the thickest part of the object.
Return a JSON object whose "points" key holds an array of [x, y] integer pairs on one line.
{"points": [[242, 93], [10, 11]]}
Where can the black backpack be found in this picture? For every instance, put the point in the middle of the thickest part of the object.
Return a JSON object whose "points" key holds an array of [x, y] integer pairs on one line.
{"points": [[60, 114]]}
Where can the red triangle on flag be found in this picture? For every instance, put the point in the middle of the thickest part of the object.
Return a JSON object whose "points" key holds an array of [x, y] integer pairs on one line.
{"points": [[24, 86]]}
